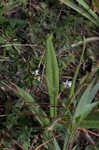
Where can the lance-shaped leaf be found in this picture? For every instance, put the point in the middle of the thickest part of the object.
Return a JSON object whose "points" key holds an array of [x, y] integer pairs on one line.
{"points": [[84, 106], [82, 10], [91, 121], [52, 75], [57, 147], [86, 6]]}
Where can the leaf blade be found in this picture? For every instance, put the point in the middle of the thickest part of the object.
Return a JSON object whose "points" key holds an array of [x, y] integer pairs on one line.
{"points": [[91, 121], [81, 10], [85, 106], [52, 75]]}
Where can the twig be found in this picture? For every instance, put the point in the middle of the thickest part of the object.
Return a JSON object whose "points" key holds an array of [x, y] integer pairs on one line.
{"points": [[21, 147], [38, 147], [88, 131], [88, 40]]}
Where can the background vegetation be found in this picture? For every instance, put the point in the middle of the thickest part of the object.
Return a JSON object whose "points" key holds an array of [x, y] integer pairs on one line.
{"points": [[49, 75]]}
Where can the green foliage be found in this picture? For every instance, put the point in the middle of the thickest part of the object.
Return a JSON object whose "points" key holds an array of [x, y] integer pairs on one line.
{"points": [[77, 71], [85, 10], [91, 121], [52, 76], [56, 145], [33, 106], [90, 147], [84, 106], [24, 116]]}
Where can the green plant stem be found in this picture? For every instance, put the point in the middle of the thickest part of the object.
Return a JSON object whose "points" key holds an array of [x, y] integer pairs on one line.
{"points": [[77, 70], [85, 81], [70, 138]]}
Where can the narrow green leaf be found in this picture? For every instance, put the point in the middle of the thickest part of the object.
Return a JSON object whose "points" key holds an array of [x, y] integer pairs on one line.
{"points": [[52, 75], [85, 5], [84, 106], [81, 115], [93, 92], [75, 148], [91, 121], [56, 145], [33, 106], [88, 95], [82, 11]]}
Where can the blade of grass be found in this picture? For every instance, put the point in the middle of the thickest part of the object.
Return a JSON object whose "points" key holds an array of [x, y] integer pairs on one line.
{"points": [[82, 11], [85, 5]]}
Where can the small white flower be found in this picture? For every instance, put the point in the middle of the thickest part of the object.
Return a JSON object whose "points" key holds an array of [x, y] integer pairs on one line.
{"points": [[36, 72], [67, 83]]}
